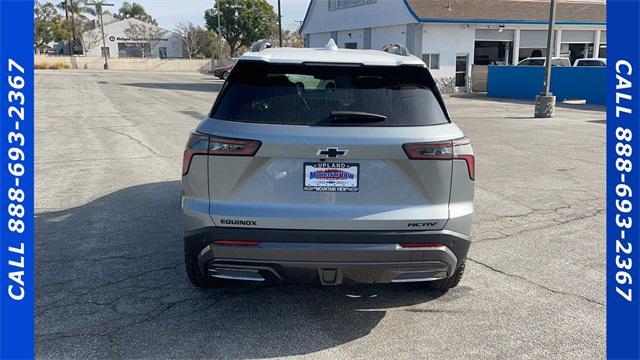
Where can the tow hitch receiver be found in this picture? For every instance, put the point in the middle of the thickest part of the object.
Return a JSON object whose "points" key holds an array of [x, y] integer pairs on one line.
{"points": [[330, 276]]}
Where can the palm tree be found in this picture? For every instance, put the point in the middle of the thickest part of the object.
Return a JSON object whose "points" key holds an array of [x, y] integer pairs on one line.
{"points": [[136, 11], [77, 9], [97, 9]]}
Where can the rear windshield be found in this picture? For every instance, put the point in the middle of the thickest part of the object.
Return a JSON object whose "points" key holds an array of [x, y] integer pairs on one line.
{"points": [[330, 95]]}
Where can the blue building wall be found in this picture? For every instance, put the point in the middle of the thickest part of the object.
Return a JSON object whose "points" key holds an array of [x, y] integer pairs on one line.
{"points": [[525, 82]]}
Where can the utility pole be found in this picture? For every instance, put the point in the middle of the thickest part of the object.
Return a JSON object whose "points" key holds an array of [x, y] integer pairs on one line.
{"points": [[220, 54], [73, 27], [104, 44], [66, 16], [279, 26], [546, 102]]}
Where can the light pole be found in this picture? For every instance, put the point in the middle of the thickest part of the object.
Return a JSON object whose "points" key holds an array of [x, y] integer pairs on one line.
{"points": [[279, 26], [220, 54], [73, 27], [98, 7], [546, 102], [66, 15]]}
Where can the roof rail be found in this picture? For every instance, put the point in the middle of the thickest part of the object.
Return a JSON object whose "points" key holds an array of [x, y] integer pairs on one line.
{"points": [[397, 49], [261, 45]]}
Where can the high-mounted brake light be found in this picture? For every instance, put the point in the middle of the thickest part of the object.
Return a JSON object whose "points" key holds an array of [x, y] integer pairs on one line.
{"points": [[451, 150], [201, 144]]}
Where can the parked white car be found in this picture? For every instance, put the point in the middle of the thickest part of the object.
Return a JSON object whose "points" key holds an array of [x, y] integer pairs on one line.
{"points": [[542, 61], [591, 62]]}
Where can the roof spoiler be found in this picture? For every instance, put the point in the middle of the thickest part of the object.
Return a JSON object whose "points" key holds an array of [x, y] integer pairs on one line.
{"points": [[261, 45], [395, 48]]}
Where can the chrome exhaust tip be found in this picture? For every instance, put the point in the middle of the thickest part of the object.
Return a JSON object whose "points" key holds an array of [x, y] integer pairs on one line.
{"points": [[236, 274]]}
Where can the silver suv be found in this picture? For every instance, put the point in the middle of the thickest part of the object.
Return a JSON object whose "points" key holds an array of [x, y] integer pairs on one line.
{"points": [[328, 165]]}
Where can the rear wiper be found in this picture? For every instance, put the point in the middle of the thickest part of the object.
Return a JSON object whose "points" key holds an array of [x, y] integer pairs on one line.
{"points": [[356, 116]]}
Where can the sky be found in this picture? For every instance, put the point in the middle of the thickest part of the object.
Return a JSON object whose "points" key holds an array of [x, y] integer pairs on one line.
{"points": [[170, 12]]}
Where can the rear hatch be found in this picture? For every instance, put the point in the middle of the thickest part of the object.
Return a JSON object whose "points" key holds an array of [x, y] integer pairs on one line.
{"points": [[329, 147]]}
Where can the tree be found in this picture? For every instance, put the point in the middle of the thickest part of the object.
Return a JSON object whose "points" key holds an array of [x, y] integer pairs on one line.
{"points": [[242, 21], [46, 21], [291, 38], [145, 37], [76, 9], [195, 39], [89, 39], [134, 11], [97, 9]]}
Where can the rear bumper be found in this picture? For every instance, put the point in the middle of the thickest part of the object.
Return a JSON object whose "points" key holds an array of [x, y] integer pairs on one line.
{"points": [[328, 257]]}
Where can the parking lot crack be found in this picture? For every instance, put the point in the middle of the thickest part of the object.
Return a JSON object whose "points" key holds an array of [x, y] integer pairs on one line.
{"points": [[546, 288], [136, 140], [552, 222]]}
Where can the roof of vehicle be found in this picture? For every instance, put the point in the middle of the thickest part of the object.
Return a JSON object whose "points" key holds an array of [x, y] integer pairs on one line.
{"points": [[592, 59], [331, 55], [544, 58]]}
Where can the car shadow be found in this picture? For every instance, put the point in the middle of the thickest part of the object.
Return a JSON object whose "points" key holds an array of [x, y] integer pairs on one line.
{"points": [[205, 87], [113, 269]]}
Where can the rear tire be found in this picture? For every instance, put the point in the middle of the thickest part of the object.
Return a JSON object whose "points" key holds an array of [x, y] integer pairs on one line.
{"points": [[449, 283], [196, 277]]}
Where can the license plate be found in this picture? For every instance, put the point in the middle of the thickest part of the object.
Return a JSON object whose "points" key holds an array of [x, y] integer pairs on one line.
{"points": [[331, 177]]}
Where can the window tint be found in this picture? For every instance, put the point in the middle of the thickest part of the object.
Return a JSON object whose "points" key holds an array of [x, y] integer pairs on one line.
{"points": [[590, 63], [308, 94], [532, 62]]}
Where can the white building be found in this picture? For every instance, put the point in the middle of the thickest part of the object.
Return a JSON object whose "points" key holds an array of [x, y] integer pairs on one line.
{"points": [[133, 38], [452, 35]]}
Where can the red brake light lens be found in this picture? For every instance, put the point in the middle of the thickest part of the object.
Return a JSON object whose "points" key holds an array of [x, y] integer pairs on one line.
{"points": [[201, 144], [450, 150], [197, 145], [429, 150], [462, 150]]}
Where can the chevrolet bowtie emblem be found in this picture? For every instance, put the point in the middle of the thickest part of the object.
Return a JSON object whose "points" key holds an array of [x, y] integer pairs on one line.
{"points": [[332, 152]]}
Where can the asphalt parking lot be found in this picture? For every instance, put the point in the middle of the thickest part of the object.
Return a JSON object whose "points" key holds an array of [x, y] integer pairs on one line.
{"points": [[110, 281]]}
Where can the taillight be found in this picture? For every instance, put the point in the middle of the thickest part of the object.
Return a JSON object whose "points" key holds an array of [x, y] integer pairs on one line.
{"points": [[462, 150], [450, 150], [198, 144], [232, 147], [422, 151], [201, 144]]}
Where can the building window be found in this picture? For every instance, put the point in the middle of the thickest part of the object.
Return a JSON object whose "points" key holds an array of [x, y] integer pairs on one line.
{"points": [[104, 52], [162, 51], [432, 61], [341, 4], [134, 50], [351, 45]]}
